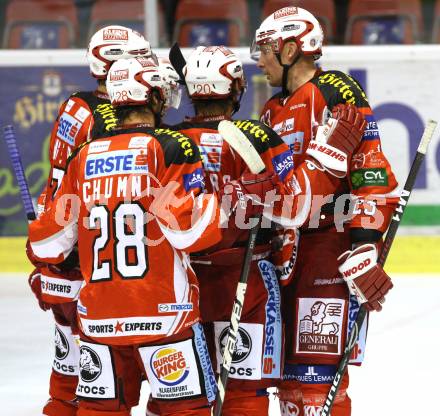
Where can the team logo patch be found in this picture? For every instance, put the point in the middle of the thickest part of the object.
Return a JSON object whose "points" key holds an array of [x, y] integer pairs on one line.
{"points": [[194, 180], [118, 162], [115, 34], [283, 164], [211, 139], [286, 11], [68, 128], [82, 114], [169, 366], [295, 141], [211, 157], [61, 345], [243, 345], [139, 142], [174, 307], [90, 364], [285, 126], [319, 325], [120, 75], [372, 130]]}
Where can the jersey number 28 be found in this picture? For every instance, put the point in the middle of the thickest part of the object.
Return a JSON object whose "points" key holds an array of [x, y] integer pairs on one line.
{"points": [[128, 235]]}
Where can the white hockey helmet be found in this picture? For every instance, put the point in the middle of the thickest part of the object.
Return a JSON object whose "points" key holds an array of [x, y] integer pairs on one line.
{"points": [[173, 92], [290, 23], [132, 81], [210, 71], [112, 43]]}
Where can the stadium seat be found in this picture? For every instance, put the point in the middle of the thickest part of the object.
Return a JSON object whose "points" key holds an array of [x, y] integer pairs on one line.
{"points": [[374, 22], [211, 22], [42, 24], [436, 24], [323, 10], [128, 13]]}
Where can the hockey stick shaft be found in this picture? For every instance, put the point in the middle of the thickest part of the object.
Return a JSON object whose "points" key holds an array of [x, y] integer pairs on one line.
{"points": [[14, 154], [392, 230], [238, 141], [231, 338]]}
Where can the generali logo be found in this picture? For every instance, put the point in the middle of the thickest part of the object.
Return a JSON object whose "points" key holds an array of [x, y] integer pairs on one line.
{"points": [[119, 75], [319, 329], [286, 11], [115, 34]]}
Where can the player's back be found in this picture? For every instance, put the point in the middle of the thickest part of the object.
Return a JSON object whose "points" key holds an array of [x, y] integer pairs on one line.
{"points": [[220, 163], [138, 287]]}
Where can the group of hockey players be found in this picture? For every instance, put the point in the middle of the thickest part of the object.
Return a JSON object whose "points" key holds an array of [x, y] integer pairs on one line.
{"points": [[142, 229]]}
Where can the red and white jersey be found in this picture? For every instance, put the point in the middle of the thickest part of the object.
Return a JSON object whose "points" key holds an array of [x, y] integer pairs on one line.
{"points": [[133, 202], [222, 164], [82, 114], [73, 126], [371, 181]]}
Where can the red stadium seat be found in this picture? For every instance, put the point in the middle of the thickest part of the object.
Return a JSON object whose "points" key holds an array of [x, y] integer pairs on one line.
{"points": [[129, 13], [323, 10], [436, 26], [43, 24], [383, 22], [211, 22]]}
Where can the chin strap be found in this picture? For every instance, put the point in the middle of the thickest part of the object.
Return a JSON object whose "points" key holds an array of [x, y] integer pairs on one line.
{"points": [[286, 68]]}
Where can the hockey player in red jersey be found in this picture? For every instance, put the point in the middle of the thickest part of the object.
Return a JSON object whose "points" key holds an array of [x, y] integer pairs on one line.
{"points": [[132, 200], [57, 288], [215, 82], [318, 307]]}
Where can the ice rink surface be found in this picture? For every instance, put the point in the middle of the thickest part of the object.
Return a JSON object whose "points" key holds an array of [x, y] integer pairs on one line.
{"points": [[399, 376]]}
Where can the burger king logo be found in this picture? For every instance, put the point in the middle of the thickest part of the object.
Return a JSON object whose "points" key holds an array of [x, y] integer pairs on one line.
{"points": [[169, 366]]}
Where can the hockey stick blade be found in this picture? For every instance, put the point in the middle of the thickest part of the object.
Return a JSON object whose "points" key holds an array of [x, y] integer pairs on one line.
{"points": [[392, 230], [14, 154], [177, 61], [239, 142]]}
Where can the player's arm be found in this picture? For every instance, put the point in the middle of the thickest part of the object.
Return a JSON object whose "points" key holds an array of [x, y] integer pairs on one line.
{"points": [[71, 128], [54, 234], [371, 180], [188, 217], [373, 186]]}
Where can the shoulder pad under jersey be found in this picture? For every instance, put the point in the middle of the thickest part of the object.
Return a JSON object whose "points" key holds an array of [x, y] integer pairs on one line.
{"points": [[177, 147], [259, 134], [340, 88], [105, 120], [104, 115]]}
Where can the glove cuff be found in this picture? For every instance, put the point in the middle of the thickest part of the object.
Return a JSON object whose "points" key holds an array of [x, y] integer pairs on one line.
{"points": [[329, 156]]}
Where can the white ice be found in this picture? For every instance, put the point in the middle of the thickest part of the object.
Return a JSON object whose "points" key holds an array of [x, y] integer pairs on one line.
{"points": [[399, 377]]}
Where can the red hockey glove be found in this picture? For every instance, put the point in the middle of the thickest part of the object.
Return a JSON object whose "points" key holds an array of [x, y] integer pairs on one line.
{"points": [[248, 194], [35, 284], [365, 278], [336, 140]]}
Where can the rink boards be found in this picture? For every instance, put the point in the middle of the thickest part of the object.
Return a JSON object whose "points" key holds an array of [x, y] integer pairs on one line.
{"points": [[410, 254]]}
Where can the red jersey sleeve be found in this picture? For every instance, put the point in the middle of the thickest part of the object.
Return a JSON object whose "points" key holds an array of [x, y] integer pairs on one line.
{"points": [[188, 217], [54, 234], [72, 128]]}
